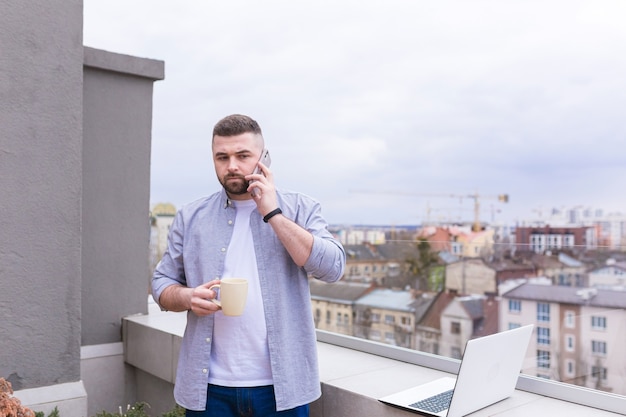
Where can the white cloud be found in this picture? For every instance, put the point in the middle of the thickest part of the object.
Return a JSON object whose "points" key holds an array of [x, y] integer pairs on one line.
{"points": [[447, 96]]}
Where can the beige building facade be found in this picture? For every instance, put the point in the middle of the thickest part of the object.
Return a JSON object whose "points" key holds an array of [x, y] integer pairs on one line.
{"points": [[470, 276], [579, 334]]}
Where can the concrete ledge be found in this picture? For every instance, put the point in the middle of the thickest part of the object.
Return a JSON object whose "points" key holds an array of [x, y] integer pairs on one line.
{"points": [[109, 381], [354, 373], [100, 351], [152, 343], [70, 399], [109, 61]]}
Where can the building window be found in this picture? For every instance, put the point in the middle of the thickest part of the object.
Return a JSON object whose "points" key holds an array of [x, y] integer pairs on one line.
{"points": [[598, 372], [569, 343], [389, 338], [328, 317], [579, 280], [515, 306], [390, 319], [514, 325], [571, 368], [598, 347], [338, 319], [598, 322], [543, 312], [543, 336], [543, 359], [375, 318], [570, 319], [455, 327]]}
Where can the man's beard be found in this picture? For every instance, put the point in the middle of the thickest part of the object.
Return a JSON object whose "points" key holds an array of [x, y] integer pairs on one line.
{"points": [[235, 187]]}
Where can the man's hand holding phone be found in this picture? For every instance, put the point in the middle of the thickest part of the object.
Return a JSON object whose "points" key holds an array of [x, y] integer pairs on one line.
{"points": [[262, 184], [265, 160]]}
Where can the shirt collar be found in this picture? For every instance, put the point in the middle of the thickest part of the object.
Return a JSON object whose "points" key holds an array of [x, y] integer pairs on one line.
{"points": [[227, 202]]}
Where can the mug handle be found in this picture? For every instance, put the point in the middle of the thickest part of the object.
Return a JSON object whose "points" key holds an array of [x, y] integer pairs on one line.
{"points": [[214, 300]]}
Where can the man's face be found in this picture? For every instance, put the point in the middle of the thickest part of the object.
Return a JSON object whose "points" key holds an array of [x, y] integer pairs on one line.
{"points": [[234, 158]]}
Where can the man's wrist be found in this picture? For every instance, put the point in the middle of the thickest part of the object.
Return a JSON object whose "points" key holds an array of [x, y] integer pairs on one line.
{"points": [[271, 214]]}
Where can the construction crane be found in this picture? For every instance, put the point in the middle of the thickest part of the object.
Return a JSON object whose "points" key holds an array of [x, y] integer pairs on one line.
{"points": [[503, 198]]}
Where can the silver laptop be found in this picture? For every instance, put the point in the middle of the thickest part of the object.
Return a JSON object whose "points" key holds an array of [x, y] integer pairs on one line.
{"points": [[488, 374]]}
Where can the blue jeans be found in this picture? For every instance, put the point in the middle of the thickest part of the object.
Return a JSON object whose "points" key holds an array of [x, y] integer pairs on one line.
{"points": [[244, 402]]}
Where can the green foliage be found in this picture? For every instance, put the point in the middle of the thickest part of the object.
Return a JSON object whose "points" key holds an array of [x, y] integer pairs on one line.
{"points": [[178, 411], [140, 410], [137, 410], [53, 413]]}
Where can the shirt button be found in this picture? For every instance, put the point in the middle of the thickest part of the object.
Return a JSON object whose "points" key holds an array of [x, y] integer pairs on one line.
{"points": [[204, 371], [208, 340], [223, 249], [230, 222]]}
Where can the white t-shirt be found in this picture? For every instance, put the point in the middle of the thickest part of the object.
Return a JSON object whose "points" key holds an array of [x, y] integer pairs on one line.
{"points": [[239, 352]]}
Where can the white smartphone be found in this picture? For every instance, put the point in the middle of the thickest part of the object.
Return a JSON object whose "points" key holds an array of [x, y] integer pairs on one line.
{"points": [[265, 160]]}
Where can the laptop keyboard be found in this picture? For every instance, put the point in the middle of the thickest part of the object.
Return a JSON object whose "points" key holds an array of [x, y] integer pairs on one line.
{"points": [[436, 403]]}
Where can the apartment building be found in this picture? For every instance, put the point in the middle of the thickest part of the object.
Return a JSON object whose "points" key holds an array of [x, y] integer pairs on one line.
{"points": [[388, 316], [333, 304], [161, 219], [608, 229], [611, 230], [466, 318], [560, 268], [611, 274], [579, 334], [507, 269], [428, 330], [539, 239], [163, 216], [388, 265], [365, 263], [476, 244], [470, 276], [460, 241]]}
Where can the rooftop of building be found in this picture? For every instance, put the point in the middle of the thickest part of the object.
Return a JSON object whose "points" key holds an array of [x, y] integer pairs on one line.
{"points": [[594, 297]]}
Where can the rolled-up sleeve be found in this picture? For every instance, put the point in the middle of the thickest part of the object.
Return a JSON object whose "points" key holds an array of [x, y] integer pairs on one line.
{"points": [[327, 260]]}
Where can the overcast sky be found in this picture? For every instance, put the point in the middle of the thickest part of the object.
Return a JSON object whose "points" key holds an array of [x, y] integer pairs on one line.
{"points": [[417, 102]]}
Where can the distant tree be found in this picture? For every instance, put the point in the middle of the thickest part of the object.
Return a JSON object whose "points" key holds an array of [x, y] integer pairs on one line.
{"points": [[421, 266]]}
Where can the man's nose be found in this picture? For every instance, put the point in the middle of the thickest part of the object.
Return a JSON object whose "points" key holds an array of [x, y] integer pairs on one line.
{"points": [[232, 164]]}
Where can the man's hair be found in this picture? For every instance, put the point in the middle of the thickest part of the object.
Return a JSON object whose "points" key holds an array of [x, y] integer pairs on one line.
{"points": [[236, 124]]}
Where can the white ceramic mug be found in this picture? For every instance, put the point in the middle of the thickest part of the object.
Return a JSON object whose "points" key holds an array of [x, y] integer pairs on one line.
{"points": [[232, 295]]}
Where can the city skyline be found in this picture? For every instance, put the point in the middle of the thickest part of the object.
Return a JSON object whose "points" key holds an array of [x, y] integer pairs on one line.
{"points": [[444, 98]]}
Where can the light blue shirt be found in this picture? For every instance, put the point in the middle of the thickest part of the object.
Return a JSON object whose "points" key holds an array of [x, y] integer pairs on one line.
{"points": [[197, 245]]}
